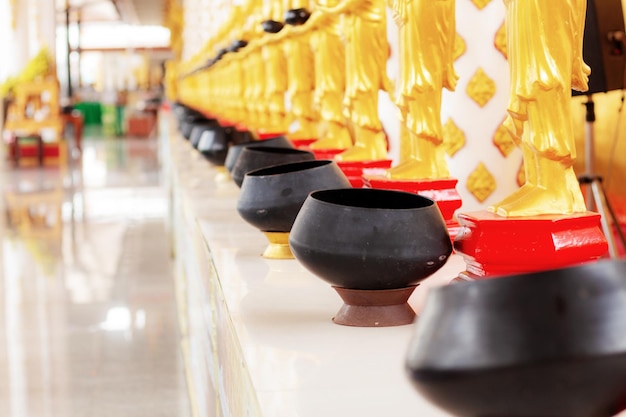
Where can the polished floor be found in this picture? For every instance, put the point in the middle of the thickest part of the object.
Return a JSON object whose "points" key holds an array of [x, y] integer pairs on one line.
{"points": [[87, 305]]}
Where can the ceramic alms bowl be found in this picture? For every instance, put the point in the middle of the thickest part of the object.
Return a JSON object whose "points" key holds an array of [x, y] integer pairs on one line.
{"points": [[370, 242], [257, 157], [549, 343], [271, 198]]}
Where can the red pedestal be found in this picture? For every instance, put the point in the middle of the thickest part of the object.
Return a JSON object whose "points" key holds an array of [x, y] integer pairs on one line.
{"points": [[442, 191], [302, 143], [262, 135], [494, 246], [226, 123], [326, 153], [355, 170]]}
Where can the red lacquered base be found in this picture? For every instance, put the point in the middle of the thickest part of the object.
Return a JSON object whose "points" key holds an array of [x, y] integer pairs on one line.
{"points": [[226, 123], [302, 143], [494, 246], [442, 191], [263, 135], [355, 170], [326, 153]]}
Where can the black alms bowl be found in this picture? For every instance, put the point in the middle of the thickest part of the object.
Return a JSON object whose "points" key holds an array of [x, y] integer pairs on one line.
{"points": [[235, 149], [198, 129], [542, 344], [271, 198], [369, 239], [213, 144], [257, 157]]}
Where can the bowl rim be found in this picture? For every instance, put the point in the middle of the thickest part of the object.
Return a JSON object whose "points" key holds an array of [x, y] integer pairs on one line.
{"points": [[429, 203], [274, 150], [299, 166]]}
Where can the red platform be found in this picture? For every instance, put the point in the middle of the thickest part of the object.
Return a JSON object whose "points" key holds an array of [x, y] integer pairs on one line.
{"points": [[302, 143], [494, 246], [355, 170], [326, 153], [268, 135], [442, 191]]}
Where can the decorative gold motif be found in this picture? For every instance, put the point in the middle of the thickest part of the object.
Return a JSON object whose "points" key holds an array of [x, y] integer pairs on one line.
{"points": [[481, 88], [453, 137], [481, 183], [481, 4], [499, 41], [503, 140], [459, 46]]}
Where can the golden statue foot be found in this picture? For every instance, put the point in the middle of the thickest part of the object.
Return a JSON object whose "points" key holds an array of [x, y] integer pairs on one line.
{"points": [[414, 169], [339, 140], [360, 153], [369, 146], [540, 200], [511, 198], [306, 130]]}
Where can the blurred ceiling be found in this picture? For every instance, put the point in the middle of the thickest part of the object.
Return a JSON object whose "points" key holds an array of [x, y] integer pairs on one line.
{"points": [[134, 12]]}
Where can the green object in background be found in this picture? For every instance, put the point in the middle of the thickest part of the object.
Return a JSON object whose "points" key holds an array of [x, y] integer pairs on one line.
{"points": [[112, 120], [108, 119], [92, 114]]}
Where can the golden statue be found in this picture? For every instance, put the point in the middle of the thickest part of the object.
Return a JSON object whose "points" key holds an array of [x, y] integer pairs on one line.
{"points": [[330, 79], [545, 55], [301, 78], [367, 50], [275, 71], [427, 33], [254, 67]]}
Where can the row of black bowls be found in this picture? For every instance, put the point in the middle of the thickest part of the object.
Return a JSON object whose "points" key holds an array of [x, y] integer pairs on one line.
{"points": [[545, 344], [361, 239]]}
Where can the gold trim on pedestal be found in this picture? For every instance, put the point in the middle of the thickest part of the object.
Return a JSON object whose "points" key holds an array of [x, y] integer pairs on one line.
{"points": [[278, 247]]}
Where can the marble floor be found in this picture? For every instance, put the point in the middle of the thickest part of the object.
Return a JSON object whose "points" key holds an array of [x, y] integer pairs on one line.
{"points": [[87, 305]]}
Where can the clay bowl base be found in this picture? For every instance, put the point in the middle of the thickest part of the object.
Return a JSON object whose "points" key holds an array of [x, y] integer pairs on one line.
{"points": [[278, 247], [375, 308]]}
